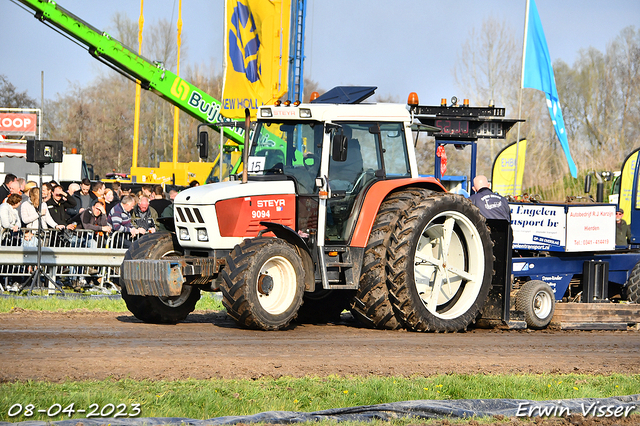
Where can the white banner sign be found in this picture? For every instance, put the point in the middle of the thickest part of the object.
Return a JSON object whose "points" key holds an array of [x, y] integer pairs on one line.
{"points": [[538, 227], [591, 228], [548, 227]]}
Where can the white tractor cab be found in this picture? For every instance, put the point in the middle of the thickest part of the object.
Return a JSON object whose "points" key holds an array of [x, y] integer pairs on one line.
{"points": [[331, 215]]}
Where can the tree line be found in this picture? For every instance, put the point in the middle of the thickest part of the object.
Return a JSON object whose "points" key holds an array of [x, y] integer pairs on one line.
{"points": [[599, 95]]}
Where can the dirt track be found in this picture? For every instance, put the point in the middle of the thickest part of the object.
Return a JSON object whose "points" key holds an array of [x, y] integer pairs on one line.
{"points": [[89, 345]]}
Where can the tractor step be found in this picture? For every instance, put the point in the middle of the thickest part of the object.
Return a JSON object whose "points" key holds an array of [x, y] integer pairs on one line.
{"points": [[342, 266], [339, 264]]}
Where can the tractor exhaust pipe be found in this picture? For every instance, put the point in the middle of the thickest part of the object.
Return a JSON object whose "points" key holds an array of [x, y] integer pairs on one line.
{"points": [[245, 149]]}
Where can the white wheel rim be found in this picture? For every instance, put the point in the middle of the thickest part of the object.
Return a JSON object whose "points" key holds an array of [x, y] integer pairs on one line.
{"points": [[542, 304], [449, 264], [283, 293]]}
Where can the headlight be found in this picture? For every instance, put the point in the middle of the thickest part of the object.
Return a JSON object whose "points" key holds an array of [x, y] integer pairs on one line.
{"points": [[266, 112], [305, 113], [202, 234], [183, 233]]}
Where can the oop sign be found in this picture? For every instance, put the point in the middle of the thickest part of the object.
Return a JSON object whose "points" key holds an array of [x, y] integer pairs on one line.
{"points": [[14, 124]]}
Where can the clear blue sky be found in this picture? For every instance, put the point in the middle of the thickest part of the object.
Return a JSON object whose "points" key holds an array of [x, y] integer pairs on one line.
{"points": [[399, 46]]}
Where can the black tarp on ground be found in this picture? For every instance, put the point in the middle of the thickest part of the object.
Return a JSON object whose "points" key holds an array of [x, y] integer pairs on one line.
{"points": [[426, 409]]}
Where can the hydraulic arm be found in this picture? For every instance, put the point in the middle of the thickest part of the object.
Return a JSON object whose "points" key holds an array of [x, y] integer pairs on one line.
{"points": [[149, 74]]}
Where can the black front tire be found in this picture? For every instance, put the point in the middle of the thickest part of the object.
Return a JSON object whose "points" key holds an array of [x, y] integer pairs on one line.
{"points": [[440, 264], [154, 309], [537, 300], [263, 283], [633, 285]]}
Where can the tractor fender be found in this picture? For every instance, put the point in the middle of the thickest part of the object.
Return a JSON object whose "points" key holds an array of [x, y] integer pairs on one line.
{"points": [[374, 198], [291, 236]]}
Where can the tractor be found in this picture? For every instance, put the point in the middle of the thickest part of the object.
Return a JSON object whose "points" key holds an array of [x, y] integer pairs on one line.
{"points": [[330, 214]]}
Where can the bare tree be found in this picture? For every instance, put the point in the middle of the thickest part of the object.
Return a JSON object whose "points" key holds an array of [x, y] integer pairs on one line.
{"points": [[10, 97], [98, 118], [125, 30], [387, 98], [487, 71], [488, 64], [599, 96], [311, 86], [601, 101]]}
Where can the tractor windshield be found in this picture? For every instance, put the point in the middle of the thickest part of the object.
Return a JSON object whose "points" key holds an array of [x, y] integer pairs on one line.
{"points": [[289, 148]]}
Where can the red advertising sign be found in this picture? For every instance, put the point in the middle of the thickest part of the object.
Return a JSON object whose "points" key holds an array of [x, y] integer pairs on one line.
{"points": [[16, 124]]}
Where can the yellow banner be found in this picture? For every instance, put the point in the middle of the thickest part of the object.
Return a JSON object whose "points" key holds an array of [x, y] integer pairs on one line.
{"points": [[626, 185], [256, 54], [504, 169]]}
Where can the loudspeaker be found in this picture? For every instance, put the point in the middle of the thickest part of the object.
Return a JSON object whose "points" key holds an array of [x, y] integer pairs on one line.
{"points": [[44, 152]]}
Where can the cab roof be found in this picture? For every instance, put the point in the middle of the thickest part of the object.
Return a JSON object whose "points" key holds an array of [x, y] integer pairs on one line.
{"points": [[336, 112]]}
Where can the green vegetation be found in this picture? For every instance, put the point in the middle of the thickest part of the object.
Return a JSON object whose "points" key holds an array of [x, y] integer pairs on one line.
{"points": [[560, 189], [202, 399], [208, 302]]}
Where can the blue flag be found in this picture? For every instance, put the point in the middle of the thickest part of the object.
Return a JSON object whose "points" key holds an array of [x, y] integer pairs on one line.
{"points": [[538, 74]]}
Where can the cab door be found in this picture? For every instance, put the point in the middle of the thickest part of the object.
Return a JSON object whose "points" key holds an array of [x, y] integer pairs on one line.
{"points": [[374, 151]]}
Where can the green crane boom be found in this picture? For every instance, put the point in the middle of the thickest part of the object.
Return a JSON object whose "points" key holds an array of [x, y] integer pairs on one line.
{"points": [[150, 75]]}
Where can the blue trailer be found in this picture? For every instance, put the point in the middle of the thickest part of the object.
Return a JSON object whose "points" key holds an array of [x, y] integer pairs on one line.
{"points": [[562, 244], [581, 257]]}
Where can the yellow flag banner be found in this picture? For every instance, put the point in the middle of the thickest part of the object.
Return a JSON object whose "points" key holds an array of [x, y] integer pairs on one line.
{"points": [[256, 54], [504, 169], [626, 185]]}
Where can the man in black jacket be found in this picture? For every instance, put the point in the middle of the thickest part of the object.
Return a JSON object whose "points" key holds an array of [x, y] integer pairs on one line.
{"points": [[84, 198], [4, 189], [157, 201], [58, 203], [491, 205]]}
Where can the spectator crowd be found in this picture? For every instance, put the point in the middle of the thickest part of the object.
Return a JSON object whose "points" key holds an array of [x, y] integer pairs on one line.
{"points": [[85, 205]]}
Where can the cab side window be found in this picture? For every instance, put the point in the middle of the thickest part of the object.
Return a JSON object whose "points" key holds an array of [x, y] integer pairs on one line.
{"points": [[396, 159]]}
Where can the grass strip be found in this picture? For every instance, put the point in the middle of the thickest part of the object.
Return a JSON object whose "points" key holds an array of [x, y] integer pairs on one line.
{"points": [[56, 303], [203, 399]]}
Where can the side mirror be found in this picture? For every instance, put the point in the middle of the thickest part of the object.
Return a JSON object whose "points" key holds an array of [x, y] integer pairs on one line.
{"points": [[203, 145], [587, 184], [339, 152]]}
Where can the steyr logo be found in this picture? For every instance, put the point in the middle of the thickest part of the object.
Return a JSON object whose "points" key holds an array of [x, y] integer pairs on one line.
{"points": [[244, 43]]}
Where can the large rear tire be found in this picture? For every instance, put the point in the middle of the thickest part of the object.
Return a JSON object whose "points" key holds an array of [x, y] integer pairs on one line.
{"points": [[537, 300], [633, 285], [154, 309], [371, 306], [263, 283], [440, 264]]}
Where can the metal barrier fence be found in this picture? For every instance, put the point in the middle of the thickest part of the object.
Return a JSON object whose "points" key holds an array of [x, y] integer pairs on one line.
{"points": [[75, 259]]}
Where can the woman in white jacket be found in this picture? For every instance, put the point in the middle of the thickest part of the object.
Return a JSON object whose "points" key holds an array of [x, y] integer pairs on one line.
{"points": [[9, 214], [29, 214]]}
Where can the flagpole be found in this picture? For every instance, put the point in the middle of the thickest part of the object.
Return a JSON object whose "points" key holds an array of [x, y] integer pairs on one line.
{"points": [[524, 45], [176, 110], [136, 113]]}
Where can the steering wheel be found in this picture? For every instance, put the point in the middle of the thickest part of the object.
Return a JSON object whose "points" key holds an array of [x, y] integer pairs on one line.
{"points": [[276, 169], [365, 174]]}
